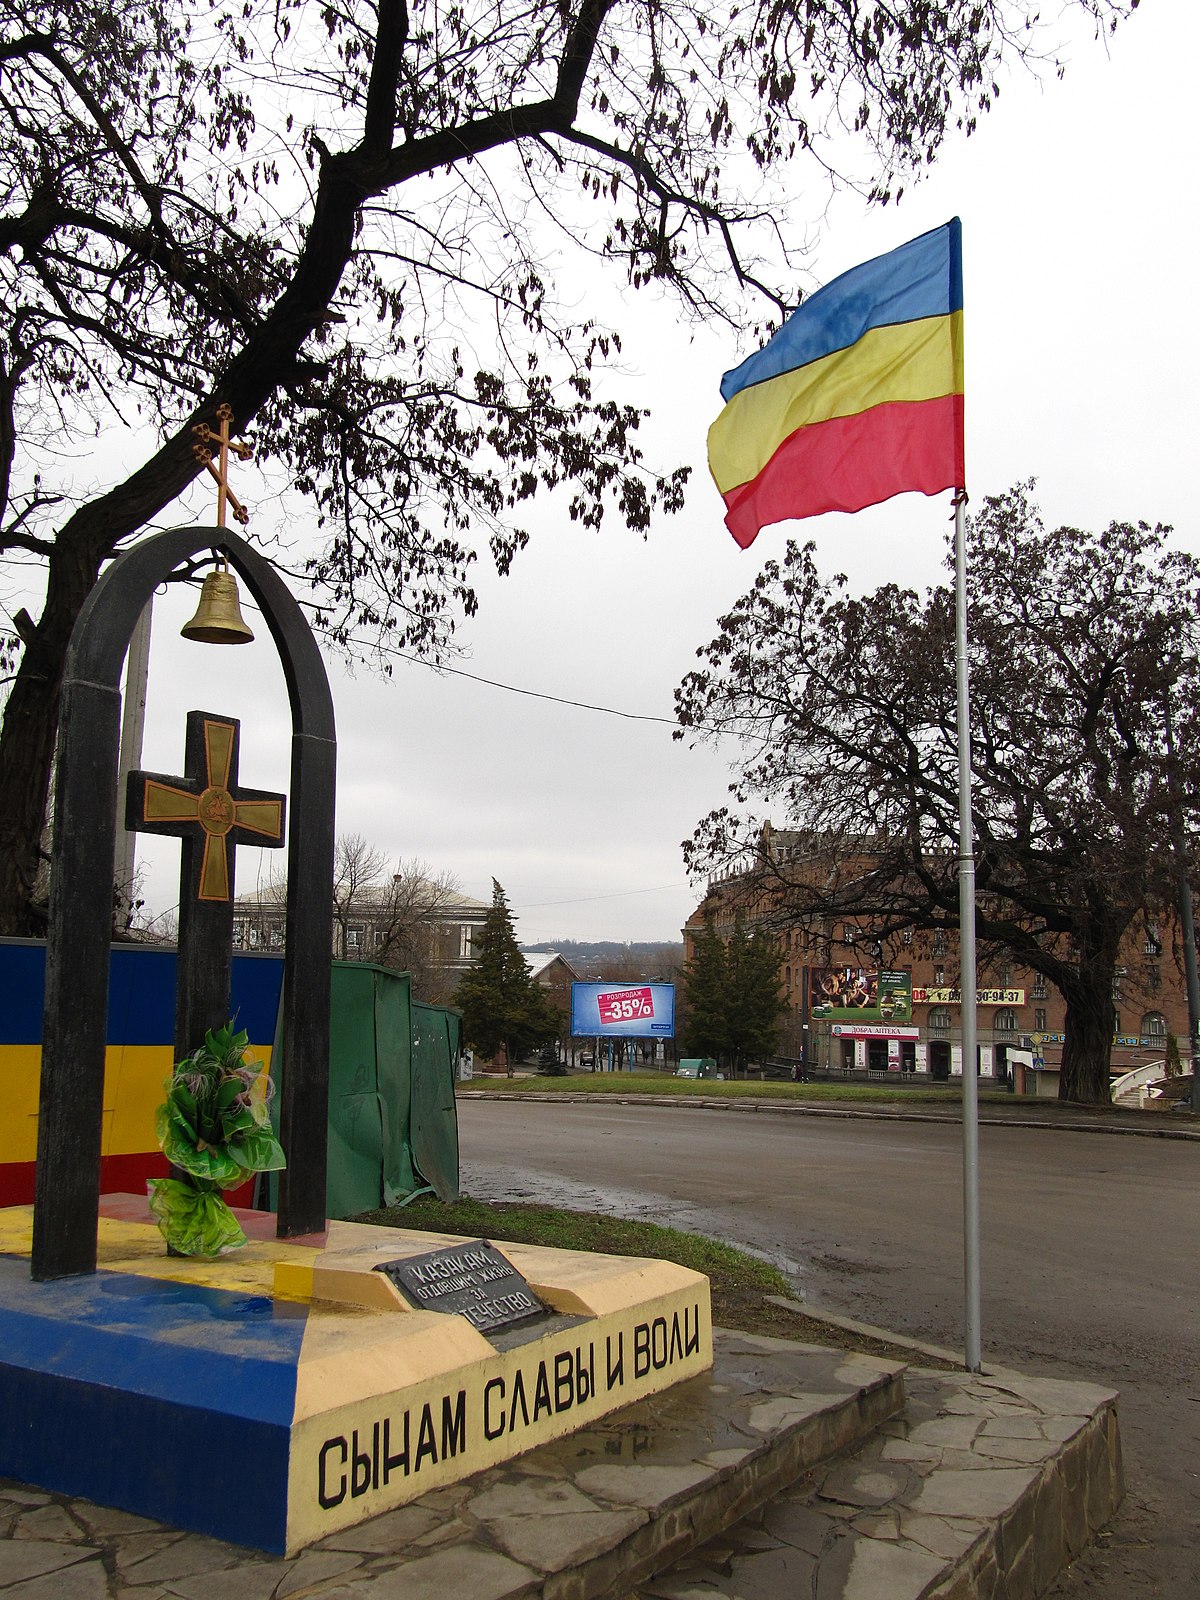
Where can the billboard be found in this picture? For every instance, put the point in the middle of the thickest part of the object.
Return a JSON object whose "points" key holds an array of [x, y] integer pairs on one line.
{"points": [[858, 994], [627, 1010]]}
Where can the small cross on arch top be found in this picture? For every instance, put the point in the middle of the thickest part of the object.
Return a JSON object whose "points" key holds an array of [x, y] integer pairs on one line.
{"points": [[205, 438]]}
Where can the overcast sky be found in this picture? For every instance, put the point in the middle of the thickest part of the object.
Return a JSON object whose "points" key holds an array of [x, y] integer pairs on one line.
{"points": [[1078, 201]]}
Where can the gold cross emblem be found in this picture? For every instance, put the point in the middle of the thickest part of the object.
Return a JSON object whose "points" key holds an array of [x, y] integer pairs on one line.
{"points": [[214, 805]]}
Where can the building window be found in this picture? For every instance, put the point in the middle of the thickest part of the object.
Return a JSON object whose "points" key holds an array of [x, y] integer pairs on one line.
{"points": [[1153, 944], [1116, 987], [849, 933], [1153, 977], [940, 1020], [939, 977], [354, 935], [1039, 1020], [907, 936], [1039, 986], [1006, 976], [1154, 1029], [939, 942], [1005, 1021]]}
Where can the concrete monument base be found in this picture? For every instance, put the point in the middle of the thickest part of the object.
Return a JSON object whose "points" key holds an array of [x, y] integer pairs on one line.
{"points": [[278, 1395]]}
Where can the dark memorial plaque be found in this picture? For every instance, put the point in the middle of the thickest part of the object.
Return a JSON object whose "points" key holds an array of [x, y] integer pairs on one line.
{"points": [[472, 1279]]}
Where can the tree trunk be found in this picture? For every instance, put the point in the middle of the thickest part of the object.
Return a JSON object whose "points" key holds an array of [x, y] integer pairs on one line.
{"points": [[1089, 1031], [28, 738]]}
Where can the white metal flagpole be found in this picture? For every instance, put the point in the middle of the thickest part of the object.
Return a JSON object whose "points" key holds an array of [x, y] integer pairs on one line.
{"points": [[966, 945]]}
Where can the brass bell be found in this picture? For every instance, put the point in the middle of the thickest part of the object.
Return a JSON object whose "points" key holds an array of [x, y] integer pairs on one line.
{"points": [[218, 618]]}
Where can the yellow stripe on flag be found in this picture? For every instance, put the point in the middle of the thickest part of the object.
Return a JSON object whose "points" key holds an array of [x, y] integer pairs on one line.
{"points": [[904, 361]]}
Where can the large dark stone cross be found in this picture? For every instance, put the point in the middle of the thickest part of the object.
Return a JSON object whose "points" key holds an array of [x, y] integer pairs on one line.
{"points": [[210, 814]]}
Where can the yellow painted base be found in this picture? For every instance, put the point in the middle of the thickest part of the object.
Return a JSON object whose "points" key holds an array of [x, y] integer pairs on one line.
{"points": [[391, 1402]]}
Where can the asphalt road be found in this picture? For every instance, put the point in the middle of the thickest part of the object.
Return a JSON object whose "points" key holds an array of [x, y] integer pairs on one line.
{"points": [[1090, 1258]]}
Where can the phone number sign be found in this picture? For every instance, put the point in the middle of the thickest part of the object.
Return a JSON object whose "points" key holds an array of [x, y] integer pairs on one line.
{"points": [[629, 1009]]}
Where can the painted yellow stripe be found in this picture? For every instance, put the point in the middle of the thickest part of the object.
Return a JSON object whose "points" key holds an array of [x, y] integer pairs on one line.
{"points": [[20, 1066], [905, 361], [134, 1075]]}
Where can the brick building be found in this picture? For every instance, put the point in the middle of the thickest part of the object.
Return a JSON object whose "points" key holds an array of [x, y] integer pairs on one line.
{"points": [[855, 1003]]}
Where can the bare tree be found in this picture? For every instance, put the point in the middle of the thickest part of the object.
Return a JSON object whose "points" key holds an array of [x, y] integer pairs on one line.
{"points": [[358, 869], [400, 916], [1084, 648]]}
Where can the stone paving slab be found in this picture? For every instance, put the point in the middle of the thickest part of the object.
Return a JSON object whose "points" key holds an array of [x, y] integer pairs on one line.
{"points": [[585, 1517], [984, 1489]]}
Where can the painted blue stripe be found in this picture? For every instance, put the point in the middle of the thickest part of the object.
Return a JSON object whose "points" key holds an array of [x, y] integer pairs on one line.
{"points": [[141, 993], [234, 1353], [141, 996], [922, 278], [256, 985], [191, 1467], [22, 990], [165, 1399]]}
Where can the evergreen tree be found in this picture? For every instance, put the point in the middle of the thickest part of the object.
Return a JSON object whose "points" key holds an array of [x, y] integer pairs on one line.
{"points": [[753, 1000], [705, 981], [500, 1002]]}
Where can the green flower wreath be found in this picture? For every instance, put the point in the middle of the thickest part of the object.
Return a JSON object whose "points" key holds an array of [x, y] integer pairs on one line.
{"points": [[214, 1126]]}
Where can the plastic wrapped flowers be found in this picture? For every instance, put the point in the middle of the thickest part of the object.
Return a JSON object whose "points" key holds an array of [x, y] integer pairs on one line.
{"points": [[215, 1127]]}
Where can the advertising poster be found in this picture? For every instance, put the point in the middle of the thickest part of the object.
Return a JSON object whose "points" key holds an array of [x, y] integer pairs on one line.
{"points": [[625, 1010], [859, 994]]}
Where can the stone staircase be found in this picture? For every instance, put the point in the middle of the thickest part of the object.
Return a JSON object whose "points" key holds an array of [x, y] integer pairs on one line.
{"points": [[790, 1469]]}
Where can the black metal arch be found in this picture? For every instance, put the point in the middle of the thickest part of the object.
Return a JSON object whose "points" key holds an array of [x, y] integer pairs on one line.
{"points": [[67, 1182]]}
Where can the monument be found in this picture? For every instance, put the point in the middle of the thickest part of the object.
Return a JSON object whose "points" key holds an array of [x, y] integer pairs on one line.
{"points": [[346, 1368]]}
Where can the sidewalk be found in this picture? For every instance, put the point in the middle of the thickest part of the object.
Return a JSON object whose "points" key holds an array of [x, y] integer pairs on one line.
{"points": [[788, 1468]]}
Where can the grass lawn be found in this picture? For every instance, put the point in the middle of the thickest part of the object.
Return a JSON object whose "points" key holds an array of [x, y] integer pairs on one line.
{"points": [[739, 1282], [662, 1083]]}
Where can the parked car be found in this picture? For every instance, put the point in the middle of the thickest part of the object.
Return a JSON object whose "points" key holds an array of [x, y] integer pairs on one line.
{"points": [[698, 1067]]}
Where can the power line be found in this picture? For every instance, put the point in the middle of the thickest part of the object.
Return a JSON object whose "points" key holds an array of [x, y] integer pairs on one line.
{"points": [[495, 683], [511, 688]]}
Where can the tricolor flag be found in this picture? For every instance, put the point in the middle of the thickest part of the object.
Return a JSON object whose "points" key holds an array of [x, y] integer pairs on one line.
{"points": [[858, 397]]}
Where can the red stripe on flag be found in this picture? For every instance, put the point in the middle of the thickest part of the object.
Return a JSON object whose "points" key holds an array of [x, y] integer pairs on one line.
{"points": [[849, 463]]}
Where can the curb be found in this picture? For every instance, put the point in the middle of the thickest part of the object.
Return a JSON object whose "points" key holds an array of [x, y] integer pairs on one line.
{"points": [[868, 1330], [792, 1109]]}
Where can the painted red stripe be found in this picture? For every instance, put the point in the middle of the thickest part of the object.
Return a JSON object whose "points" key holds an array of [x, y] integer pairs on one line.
{"points": [[118, 1175], [852, 462]]}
